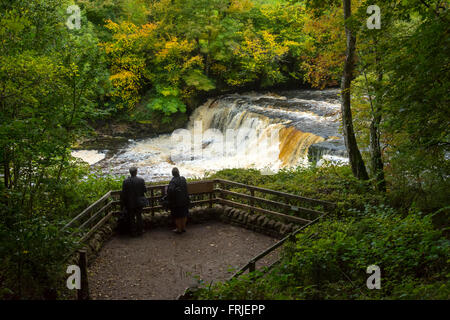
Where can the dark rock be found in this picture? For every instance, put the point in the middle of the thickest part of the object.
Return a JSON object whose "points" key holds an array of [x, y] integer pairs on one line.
{"points": [[251, 219], [278, 226], [228, 211], [241, 216], [329, 147], [260, 220], [265, 222], [234, 214]]}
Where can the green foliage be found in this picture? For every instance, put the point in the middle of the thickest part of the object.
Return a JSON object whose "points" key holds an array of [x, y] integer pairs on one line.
{"points": [[329, 261], [330, 183], [33, 248], [403, 80], [243, 288], [198, 46], [52, 81], [78, 188], [199, 81], [32, 252], [167, 105]]}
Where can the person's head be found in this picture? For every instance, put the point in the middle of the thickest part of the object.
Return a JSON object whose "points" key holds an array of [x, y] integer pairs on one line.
{"points": [[133, 171], [175, 172]]}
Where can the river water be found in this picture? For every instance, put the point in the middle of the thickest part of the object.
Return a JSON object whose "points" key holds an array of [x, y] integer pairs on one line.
{"points": [[265, 131]]}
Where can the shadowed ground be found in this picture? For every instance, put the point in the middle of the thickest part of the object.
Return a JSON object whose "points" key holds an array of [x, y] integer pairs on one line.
{"points": [[161, 264]]}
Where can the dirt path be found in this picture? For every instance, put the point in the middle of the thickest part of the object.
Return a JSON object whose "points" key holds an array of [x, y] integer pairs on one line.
{"points": [[161, 264]]}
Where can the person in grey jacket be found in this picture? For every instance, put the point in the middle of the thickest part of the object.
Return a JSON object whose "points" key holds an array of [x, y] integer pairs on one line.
{"points": [[178, 200]]}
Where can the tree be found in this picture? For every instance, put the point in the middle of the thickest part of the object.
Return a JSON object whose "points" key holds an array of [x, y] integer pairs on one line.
{"points": [[372, 50], [356, 161], [355, 158], [323, 56]]}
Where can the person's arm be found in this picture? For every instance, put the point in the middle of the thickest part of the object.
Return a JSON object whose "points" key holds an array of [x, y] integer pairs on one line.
{"points": [[170, 193]]}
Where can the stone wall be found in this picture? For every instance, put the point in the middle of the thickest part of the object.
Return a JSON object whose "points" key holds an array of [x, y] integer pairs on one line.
{"points": [[95, 243], [99, 238], [256, 222], [252, 221], [93, 246]]}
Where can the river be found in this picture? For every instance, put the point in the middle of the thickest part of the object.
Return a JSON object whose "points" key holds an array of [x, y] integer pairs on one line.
{"points": [[265, 131]]}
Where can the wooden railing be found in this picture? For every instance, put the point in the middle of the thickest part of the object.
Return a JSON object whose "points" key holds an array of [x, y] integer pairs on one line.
{"points": [[286, 206], [273, 203], [251, 265], [92, 218], [290, 204], [277, 204]]}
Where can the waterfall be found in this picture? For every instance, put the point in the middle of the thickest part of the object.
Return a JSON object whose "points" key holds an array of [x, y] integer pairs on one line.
{"points": [[262, 131], [294, 145]]}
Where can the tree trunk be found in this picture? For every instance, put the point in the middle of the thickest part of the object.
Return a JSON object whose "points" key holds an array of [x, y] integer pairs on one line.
{"points": [[375, 153], [375, 149], [356, 161], [6, 169]]}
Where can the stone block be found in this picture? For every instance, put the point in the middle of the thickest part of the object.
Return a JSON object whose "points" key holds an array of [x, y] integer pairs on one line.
{"points": [[260, 220], [240, 216], [245, 217], [234, 214], [265, 222], [278, 226], [251, 219]]}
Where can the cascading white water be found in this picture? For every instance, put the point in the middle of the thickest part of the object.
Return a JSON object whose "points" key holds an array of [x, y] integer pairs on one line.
{"points": [[266, 132]]}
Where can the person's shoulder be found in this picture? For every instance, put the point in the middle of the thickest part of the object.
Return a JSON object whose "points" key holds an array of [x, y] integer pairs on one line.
{"points": [[141, 179], [173, 182]]}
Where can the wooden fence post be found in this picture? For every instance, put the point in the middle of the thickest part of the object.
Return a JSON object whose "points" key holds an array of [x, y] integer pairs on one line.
{"points": [[83, 292], [252, 201], [222, 194], [252, 266], [210, 199], [152, 203]]}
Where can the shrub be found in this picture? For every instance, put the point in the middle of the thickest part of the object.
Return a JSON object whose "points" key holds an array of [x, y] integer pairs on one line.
{"points": [[33, 251], [331, 183]]}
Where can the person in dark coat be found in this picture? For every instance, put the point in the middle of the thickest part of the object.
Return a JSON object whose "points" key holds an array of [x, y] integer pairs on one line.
{"points": [[133, 199], [178, 199]]}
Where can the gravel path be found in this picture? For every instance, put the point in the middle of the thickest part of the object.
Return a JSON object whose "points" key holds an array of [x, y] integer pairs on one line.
{"points": [[161, 264]]}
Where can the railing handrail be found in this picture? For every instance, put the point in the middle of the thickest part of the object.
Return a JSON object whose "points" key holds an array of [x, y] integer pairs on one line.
{"points": [[87, 210], [286, 206], [111, 202], [279, 193], [264, 253]]}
